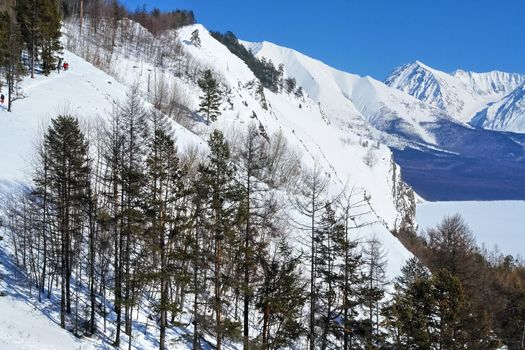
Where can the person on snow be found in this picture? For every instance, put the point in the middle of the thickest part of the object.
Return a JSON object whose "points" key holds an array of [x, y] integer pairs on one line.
{"points": [[59, 65], [2, 98], [66, 65]]}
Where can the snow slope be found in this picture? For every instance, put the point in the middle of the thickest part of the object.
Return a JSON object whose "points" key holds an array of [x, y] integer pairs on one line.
{"points": [[24, 323], [302, 121], [348, 156], [460, 94], [507, 114], [348, 98]]}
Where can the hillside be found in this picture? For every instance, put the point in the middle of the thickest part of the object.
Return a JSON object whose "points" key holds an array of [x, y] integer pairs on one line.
{"points": [[91, 95], [442, 158]]}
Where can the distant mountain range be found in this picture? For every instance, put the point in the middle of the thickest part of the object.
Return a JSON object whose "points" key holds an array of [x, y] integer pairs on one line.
{"points": [[456, 136], [492, 100]]}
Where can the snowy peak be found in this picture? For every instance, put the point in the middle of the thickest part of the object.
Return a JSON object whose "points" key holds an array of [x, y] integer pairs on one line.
{"points": [[461, 94], [490, 83], [508, 114], [436, 88], [347, 98]]}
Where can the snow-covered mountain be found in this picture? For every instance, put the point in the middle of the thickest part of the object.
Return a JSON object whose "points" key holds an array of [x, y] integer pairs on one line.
{"points": [[348, 98], [444, 158], [507, 114], [460, 94]]}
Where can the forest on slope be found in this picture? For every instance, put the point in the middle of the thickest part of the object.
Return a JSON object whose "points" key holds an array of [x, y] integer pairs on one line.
{"points": [[116, 220]]}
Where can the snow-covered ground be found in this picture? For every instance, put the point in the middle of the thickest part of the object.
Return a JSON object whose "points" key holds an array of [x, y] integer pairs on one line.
{"points": [[497, 223]]}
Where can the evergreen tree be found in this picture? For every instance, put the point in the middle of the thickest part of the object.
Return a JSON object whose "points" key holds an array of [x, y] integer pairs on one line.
{"points": [[28, 16], [222, 197], [211, 97], [280, 299], [66, 150], [49, 27], [10, 53], [257, 215], [449, 310], [165, 213], [409, 318], [327, 234], [311, 205], [195, 38], [350, 264], [374, 259]]}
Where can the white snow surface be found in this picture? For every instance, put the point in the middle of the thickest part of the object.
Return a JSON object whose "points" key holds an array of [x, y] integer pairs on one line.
{"points": [[348, 98], [498, 224]]}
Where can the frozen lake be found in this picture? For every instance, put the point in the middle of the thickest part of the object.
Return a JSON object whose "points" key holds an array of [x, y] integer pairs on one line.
{"points": [[498, 223]]}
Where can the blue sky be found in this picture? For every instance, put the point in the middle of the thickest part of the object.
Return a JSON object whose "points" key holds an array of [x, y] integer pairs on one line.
{"points": [[371, 37]]}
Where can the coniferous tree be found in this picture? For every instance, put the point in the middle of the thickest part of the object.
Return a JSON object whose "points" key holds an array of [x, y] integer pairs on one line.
{"points": [[258, 210], [409, 317], [134, 136], [222, 204], [195, 38], [351, 265], [165, 215], [373, 290], [66, 150], [28, 16], [449, 311], [311, 205], [328, 233], [211, 97], [49, 28], [280, 299], [10, 53]]}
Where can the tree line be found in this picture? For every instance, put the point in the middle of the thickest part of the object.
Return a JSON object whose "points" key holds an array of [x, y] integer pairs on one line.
{"points": [[118, 215], [30, 32], [271, 77], [486, 292]]}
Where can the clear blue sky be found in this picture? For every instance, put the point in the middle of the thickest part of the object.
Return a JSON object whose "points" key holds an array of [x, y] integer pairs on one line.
{"points": [[371, 37]]}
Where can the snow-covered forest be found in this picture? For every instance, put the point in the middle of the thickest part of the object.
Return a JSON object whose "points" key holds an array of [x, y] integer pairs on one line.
{"points": [[165, 187]]}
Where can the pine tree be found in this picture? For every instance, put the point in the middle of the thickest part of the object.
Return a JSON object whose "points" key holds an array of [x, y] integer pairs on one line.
{"points": [[49, 28], [373, 289], [134, 135], [66, 150], [328, 233], [165, 214], [211, 98], [449, 310], [195, 38], [280, 299], [311, 205], [222, 202], [28, 16], [257, 214], [409, 317], [10, 53]]}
